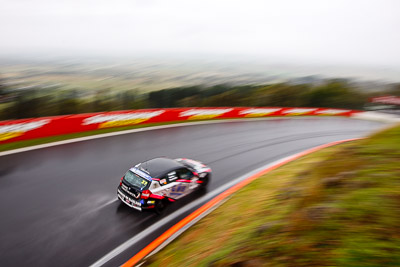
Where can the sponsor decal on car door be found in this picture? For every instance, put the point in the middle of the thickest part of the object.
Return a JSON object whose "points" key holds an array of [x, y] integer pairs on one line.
{"points": [[179, 190]]}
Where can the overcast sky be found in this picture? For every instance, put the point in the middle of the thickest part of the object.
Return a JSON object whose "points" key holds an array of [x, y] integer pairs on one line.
{"points": [[321, 31]]}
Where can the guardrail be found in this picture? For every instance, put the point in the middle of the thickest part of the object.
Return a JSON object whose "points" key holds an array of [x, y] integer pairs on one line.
{"points": [[24, 129]]}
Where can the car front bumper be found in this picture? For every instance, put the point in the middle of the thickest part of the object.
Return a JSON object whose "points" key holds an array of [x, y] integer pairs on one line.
{"points": [[129, 201]]}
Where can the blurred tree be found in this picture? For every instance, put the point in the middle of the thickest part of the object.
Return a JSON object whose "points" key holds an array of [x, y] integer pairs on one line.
{"points": [[286, 95], [4, 112], [225, 99], [43, 102], [68, 102], [3, 87], [127, 99], [68, 106], [189, 101], [336, 94], [215, 90], [157, 99], [395, 89], [171, 97], [102, 100], [30, 103]]}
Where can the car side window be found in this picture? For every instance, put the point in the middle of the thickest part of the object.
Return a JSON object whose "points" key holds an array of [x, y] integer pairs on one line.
{"points": [[184, 174]]}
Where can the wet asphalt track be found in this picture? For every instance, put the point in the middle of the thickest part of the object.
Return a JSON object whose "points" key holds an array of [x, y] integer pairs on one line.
{"points": [[58, 205]]}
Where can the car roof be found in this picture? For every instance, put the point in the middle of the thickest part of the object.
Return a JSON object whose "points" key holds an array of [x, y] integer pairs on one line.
{"points": [[158, 167]]}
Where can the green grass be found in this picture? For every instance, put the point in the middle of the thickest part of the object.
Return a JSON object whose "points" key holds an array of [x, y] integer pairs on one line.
{"points": [[336, 207]]}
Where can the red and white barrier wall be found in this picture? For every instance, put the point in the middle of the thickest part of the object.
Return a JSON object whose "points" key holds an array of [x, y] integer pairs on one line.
{"points": [[24, 129]]}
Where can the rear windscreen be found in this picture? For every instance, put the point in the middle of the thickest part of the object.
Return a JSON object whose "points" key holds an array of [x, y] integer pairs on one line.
{"points": [[136, 180]]}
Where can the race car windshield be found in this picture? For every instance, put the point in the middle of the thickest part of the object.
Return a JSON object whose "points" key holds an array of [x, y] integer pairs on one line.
{"points": [[136, 180]]}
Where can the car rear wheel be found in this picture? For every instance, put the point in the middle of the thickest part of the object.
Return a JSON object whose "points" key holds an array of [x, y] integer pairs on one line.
{"points": [[205, 180]]}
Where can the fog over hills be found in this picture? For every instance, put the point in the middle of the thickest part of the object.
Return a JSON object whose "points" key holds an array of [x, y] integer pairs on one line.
{"points": [[148, 73]]}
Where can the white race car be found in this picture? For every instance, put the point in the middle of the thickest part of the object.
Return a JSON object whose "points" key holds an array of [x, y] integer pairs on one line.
{"points": [[153, 183]]}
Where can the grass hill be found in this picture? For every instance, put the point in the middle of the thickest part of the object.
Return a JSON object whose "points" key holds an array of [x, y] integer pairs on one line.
{"points": [[337, 207]]}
